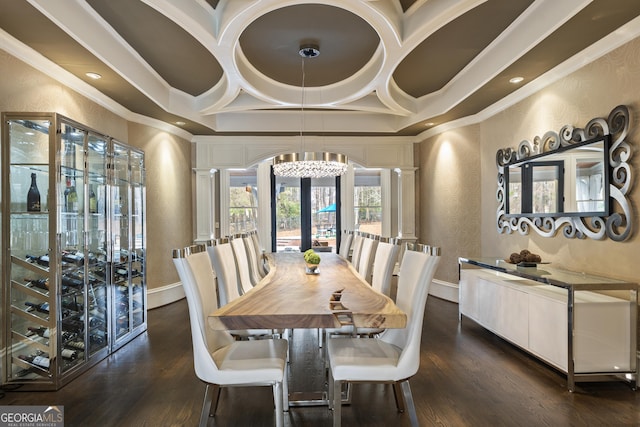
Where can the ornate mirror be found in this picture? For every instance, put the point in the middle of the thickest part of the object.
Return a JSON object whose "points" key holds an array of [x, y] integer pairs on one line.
{"points": [[576, 181]]}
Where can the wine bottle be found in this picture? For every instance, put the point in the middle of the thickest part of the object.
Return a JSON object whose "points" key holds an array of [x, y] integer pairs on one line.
{"points": [[38, 283], [33, 196], [71, 304], [67, 280], [67, 190], [41, 361], [42, 308], [68, 336], [72, 325], [42, 260], [76, 344], [69, 354], [93, 201], [72, 199], [42, 331], [96, 339], [73, 257]]}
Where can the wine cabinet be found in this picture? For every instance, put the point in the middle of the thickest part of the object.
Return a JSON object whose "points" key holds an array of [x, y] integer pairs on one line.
{"points": [[73, 237]]}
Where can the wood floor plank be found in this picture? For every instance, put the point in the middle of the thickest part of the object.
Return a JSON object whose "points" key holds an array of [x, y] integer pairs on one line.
{"points": [[467, 377]]}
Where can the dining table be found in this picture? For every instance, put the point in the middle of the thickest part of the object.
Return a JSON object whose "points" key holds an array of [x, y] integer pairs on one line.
{"points": [[291, 296]]}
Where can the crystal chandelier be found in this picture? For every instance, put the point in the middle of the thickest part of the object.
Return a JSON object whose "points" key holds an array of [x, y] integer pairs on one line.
{"points": [[309, 164]]}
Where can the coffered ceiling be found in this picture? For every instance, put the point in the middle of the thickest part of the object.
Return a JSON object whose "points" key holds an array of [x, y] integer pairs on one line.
{"points": [[232, 67]]}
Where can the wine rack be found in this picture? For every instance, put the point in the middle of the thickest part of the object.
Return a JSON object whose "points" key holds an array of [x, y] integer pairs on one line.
{"points": [[73, 248]]}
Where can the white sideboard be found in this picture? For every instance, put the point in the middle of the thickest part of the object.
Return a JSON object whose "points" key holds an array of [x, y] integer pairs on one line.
{"points": [[557, 316]]}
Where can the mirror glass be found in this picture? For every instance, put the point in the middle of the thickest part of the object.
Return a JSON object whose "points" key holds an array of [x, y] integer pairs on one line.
{"points": [[571, 181]]}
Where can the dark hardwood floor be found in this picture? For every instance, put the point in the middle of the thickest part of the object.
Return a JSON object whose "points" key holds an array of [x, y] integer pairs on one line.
{"points": [[467, 377]]}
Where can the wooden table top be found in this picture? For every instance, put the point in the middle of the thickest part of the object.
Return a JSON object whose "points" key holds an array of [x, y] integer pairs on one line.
{"points": [[288, 297]]}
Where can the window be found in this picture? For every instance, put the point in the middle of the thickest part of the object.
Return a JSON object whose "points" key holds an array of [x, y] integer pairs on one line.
{"points": [[243, 201], [367, 201]]}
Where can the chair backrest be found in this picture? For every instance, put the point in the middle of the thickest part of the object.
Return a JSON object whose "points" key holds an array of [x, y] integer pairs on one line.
{"points": [[196, 274], [258, 249], [224, 265], [356, 248], [242, 264], [415, 276], [345, 244], [369, 245], [383, 264], [254, 271]]}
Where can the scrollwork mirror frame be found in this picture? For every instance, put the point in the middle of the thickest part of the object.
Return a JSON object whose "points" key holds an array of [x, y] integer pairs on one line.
{"points": [[618, 224]]}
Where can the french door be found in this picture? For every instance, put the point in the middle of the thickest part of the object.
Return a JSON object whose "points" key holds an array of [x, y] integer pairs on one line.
{"points": [[305, 213]]}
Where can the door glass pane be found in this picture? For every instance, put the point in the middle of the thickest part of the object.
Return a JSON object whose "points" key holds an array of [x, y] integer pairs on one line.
{"points": [[545, 188], [287, 204], [71, 210], [243, 201], [323, 212], [120, 238], [96, 260], [367, 201], [30, 323], [138, 241]]}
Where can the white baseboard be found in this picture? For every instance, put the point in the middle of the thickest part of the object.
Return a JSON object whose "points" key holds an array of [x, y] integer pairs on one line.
{"points": [[445, 290], [164, 295]]}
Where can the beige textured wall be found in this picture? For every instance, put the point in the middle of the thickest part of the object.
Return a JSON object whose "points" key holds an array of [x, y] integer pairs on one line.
{"points": [[590, 92], [168, 158], [169, 218], [449, 177], [24, 89], [593, 91]]}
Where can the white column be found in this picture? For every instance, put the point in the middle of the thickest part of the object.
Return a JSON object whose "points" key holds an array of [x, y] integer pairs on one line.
{"points": [[205, 203], [223, 200], [385, 189], [406, 203], [264, 205], [347, 180]]}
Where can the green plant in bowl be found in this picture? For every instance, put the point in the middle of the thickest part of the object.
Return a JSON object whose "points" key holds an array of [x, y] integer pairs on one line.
{"points": [[311, 257]]}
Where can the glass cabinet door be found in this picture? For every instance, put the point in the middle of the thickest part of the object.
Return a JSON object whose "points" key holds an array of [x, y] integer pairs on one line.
{"points": [[120, 226], [96, 242], [138, 293], [71, 246], [29, 288]]}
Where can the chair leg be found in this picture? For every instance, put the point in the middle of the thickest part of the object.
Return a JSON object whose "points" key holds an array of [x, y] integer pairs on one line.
{"points": [[285, 390], [212, 391], [337, 403], [277, 398], [397, 394], [215, 400], [408, 398]]}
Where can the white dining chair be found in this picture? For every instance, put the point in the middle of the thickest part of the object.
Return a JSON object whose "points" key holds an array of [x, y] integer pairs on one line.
{"points": [[257, 247], [219, 360], [384, 262], [394, 357], [224, 265], [223, 261], [356, 247], [385, 258], [254, 270], [345, 243], [367, 253], [242, 264]]}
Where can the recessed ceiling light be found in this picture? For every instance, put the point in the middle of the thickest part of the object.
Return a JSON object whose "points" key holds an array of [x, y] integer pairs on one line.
{"points": [[180, 123], [94, 76], [516, 80]]}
